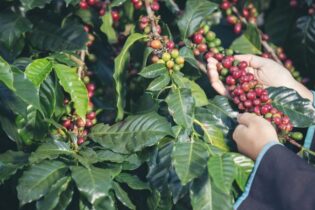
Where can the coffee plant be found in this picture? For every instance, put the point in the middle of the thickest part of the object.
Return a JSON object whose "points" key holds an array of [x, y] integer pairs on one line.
{"points": [[105, 104]]}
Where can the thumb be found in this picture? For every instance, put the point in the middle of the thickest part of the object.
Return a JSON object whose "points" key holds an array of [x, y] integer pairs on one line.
{"points": [[252, 60], [246, 118]]}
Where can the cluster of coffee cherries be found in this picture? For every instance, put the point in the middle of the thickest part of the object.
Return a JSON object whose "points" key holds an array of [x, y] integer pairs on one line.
{"points": [[100, 6], [145, 25], [73, 123], [138, 4], [164, 51], [205, 40], [249, 13], [247, 94]]}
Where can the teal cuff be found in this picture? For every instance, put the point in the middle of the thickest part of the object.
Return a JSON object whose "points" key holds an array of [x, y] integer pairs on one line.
{"points": [[310, 131], [252, 176]]}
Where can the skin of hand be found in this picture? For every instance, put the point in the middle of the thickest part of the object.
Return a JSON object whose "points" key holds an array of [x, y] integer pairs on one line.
{"points": [[266, 71], [252, 134]]}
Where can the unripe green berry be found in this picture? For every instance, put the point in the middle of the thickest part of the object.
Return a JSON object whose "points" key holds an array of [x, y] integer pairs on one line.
{"points": [[268, 115], [166, 56], [170, 64], [229, 52], [217, 42], [147, 29], [180, 60], [160, 61], [235, 62], [211, 44], [175, 53], [296, 136], [210, 36], [177, 68], [206, 29], [224, 72]]}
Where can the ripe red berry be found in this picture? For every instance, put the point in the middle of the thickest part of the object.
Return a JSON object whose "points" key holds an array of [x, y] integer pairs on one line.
{"points": [[102, 12], [202, 47], [218, 56], [227, 63], [155, 6], [248, 103], [264, 98], [92, 2], [264, 109], [277, 120], [225, 5], [245, 87], [285, 120], [67, 123], [238, 91], [243, 65], [90, 87], [156, 44], [138, 5], [84, 5], [236, 74], [256, 102], [231, 19], [251, 95], [209, 55], [293, 3], [198, 38], [91, 115], [88, 123], [235, 68], [243, 97], [257, 110], [170, 45], [230, 80], [236, 100], [241, 106], [245, 12], [80, 140], [237, 28], [115, 15]]}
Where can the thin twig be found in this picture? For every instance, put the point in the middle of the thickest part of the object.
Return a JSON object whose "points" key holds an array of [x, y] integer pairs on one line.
{"points": [[265, 44], [81, 67], [151, 17]]}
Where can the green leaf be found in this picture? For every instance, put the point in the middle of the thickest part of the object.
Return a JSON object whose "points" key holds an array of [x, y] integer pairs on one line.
{"points": [[123, 196], [38, 71], [10, 162], [132, 181], [6, 74], [107, 28], [47, 36], [299, 110], [133, 134], [146, 54], [244, 167], [93, 183], [37, 181], [160, 200], [65, 198], [51, 150], [153, 70], [205, 195], [181, 106], [222, 171], [188, 54], [72, 84], [31, 4], [189, 160], [120, 65], [103, 203], [108, 155], [12, 27], [249, 42], [25, 89], [159, 167], [48, 97], [117, 3], [159, 83], [194, 14], [51, 200]]}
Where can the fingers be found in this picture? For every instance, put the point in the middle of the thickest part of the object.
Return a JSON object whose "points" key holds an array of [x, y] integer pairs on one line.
{"points": [[239, 132], [252, 60], [246, 118], [213, 75]]}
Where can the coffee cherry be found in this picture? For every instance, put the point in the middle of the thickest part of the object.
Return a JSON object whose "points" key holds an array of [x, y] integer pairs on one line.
{"points": [[243, 65], [208, 55], [155, 6], [245, 86], [84, 5], [115, 15], [156, 44], [296, 136], [202, 48], [251, 95], [80, 140], [285, 120], [231, 19], [170, 64], [174, 53], [236, 100], [248, 103], [196, 52], [227, 63], [225, 5], [92, 2], [67, 123], [91, 115], [166, 56], [245, 12], [243, 97], [210, 36], [80, 123], [102, 12], [264, 98], [237, 28], [180, 60], [138, 5], [198, 38], [90, 87], [170, 45], [230, 80], [88, 123]]}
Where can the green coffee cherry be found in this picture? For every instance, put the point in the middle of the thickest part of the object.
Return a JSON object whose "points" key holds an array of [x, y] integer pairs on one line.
{"points": [[160, 61], [224, 72], [206, 29], [229, 52], [217, 42], [177, 67], [175, 53], [296, 136], [166, 56], [210, 36], [211, 44]]}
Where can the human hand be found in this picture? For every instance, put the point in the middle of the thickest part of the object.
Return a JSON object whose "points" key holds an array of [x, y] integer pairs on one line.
{"points": [[252, 134], [266, 71]]}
